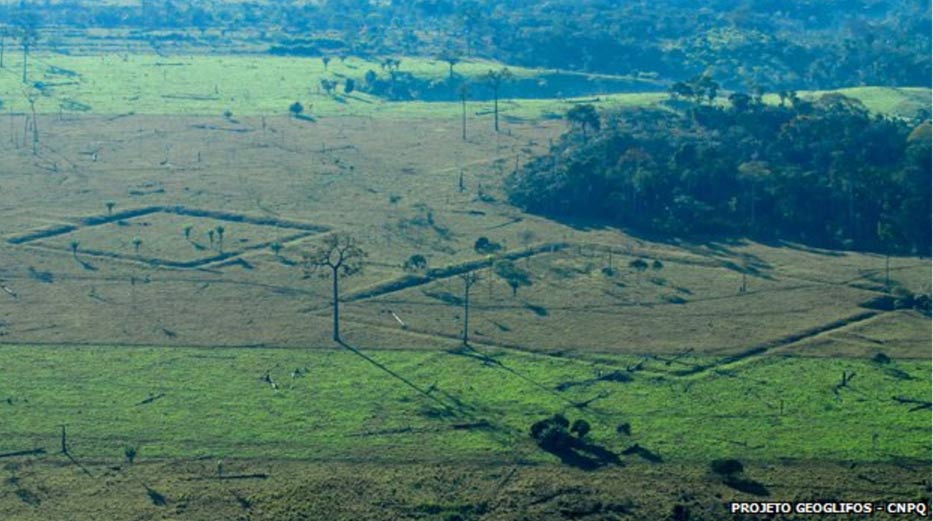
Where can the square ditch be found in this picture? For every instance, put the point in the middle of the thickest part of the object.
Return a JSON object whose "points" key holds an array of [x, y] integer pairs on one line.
{"points": [[162, 237]]}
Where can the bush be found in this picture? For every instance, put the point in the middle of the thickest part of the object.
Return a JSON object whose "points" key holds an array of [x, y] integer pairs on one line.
{"points": [[552, 434], [484, 245], [416, 262]]}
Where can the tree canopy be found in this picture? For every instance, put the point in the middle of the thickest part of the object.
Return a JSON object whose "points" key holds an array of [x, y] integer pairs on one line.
{"points": [[826, 173]]}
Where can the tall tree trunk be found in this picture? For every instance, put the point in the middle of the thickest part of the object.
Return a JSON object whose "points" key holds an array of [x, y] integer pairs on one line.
{"points": [[336, 309], [463, 119], [466, 312], [25, 60], [495, 107]]}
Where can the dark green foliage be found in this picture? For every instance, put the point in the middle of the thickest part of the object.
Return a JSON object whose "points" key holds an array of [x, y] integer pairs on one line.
{"points": [[296, 108], [584, 117], [484, 245], [824, 173], [552, 434], [778, 45], [416, 262], [513, 275], [638, 265]]}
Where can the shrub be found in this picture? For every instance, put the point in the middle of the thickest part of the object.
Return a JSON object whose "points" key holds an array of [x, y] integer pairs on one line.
{"points": [[484, 245], [552, 434], [416, 262]]}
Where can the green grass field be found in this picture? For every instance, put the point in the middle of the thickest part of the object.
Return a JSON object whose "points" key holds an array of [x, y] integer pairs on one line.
{"points": [[266, 86], [215, 402]]}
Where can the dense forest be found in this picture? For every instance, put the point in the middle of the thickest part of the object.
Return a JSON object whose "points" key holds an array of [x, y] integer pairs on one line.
{"points": [[826, 173], [770, 44]]}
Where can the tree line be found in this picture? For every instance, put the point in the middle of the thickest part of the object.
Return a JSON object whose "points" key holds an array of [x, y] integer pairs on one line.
{"points": [[824, 172], [799, 44]]}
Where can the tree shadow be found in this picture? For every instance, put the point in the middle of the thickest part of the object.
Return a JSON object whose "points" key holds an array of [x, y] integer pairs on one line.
{"points": [[582, 454], [643, 453], [749, 486]]}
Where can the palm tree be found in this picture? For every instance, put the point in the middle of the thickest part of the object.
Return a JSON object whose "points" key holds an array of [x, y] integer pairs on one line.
{"points": [[137, 242], [220, 239], [187, 229], [495, 80], [110, 205], [74, 248], [210, 236], [451, 59]]}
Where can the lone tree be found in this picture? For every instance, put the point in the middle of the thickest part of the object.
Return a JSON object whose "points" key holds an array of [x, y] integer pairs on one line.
{"points": [[220, 238], [296, 109], [514, 276], [416, 262], [451, 59], [469, 279], [639, 265], [886, 237], [339, 256], [28, 26], [584, 117], [486, 246], [74, 248], [464, 92], [137, 242], [187, 229], [110, 205], [326, 61], [495, 79]]}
